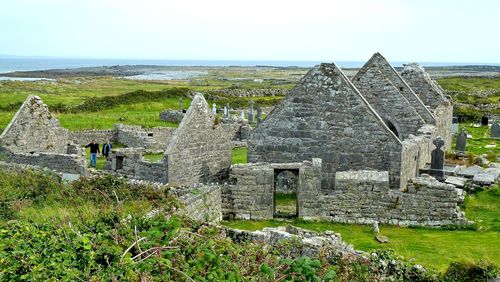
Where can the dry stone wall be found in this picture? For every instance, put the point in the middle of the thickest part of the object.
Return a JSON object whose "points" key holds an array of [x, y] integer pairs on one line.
{"points": [[200, 151], [326, 117]]}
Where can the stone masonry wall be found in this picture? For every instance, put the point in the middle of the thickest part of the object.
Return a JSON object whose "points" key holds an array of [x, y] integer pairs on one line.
{"points": [[251, 197], [424, 86], [101, 136], [203, 203], [388, 101], [359, 197], [156, 138], [444, 116], [365, 197], [34, 129], [73, 164], [326, 117], [200, 150], [380, 63]]}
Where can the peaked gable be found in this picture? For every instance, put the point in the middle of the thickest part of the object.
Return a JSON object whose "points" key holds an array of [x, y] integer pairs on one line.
{"points": [[380, 62], [34, 129], [424, 86], [389, 102], [326, 117], [199, 149]]}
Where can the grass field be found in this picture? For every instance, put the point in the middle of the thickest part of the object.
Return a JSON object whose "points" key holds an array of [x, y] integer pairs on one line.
{"points": [[433, 248]]}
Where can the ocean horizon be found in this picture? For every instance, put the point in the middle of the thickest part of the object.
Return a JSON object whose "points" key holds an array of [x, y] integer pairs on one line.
{"points": [[11, 64]]}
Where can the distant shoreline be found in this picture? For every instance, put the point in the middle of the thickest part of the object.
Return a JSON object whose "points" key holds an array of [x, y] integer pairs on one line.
{"points": [[147, 70]]}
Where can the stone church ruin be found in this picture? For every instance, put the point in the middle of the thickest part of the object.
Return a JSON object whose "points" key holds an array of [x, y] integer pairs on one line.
{"points": [[350, 150]]}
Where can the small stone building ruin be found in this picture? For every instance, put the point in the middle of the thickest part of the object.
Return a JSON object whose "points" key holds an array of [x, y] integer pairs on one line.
{"points": [[198, 151], [34, 137]]}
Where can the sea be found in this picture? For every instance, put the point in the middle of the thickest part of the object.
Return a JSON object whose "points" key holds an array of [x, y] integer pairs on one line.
{"points": [[10, 64]]}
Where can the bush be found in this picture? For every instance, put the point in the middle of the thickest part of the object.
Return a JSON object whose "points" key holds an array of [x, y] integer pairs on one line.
{"points": [[462, 271]]}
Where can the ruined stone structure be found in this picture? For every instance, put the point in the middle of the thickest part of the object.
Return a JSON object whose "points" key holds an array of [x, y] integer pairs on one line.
{"points": [[326, 117], [152, 139], [359, 197], [199, 151], [377, 122], [34, 137], [433, 97]]}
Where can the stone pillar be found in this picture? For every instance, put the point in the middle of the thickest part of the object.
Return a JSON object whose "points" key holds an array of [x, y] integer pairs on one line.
{"points": [[180, 105], [437, 159], [259, 115], [226, 111], [214, 108]]}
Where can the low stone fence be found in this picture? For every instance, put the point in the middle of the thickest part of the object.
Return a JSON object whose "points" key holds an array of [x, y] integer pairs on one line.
{"points": [[299, 242], [202, 203]]}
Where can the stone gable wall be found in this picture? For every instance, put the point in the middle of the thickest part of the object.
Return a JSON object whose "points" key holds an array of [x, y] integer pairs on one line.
{"points": [[388, 101], [35, 129], [399, 83], [325, 117], [424, 86], [200, 150]]}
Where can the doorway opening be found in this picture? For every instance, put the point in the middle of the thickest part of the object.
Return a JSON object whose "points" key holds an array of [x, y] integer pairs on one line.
{"points": [[285, 193]]}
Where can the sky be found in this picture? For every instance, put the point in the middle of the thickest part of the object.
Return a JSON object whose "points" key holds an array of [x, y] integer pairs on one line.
{"points": [[307, 30]]}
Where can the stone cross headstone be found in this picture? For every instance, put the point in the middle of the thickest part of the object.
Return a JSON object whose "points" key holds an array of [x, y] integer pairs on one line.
{"points": [[226, 112], [437, 159], [180, 104], [495, 131], [484, 120], [214, 109], [454, 125], [259, 115], [461, 142], [242, 115]]}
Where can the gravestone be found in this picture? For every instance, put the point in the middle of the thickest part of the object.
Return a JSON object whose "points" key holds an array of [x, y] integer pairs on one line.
{"points": [[226, 112], [259, 115], [180, 104], [250, 113], [484, 120], [454, 125], [461, 142], [495, 131], [214, 109], [242, 115], [437, 159]]}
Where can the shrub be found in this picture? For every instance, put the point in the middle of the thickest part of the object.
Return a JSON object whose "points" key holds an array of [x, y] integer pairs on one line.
{"points": [[463, 271]]}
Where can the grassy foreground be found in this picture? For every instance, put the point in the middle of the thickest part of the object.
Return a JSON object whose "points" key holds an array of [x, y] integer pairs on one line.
{"points": [[433, 248]]}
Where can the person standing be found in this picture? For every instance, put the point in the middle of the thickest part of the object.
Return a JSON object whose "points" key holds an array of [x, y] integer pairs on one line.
{"points": [[94, 151], [106, 149]]}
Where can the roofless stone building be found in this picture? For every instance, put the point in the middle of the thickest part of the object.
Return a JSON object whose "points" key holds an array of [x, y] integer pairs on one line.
{"points": [[376, 122]]}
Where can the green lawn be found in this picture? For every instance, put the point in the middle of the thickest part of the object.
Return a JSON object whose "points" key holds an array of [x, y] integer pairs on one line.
{"points": [[239, 156], [480, 139], [154, 157], [432, 248]]}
